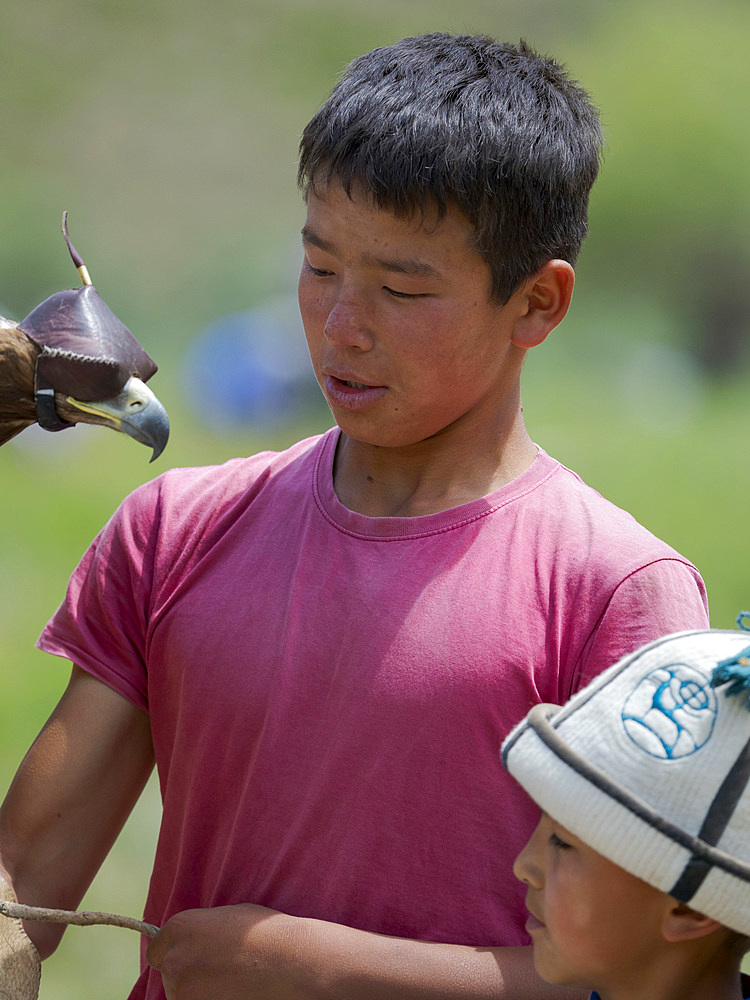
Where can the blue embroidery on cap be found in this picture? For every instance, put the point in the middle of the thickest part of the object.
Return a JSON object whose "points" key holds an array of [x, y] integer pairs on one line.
{"points": [[734, 671], [671, 712]]}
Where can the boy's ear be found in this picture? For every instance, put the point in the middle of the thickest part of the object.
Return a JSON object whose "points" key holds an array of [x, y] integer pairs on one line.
{"points": [[544, 301], [681, 923]]}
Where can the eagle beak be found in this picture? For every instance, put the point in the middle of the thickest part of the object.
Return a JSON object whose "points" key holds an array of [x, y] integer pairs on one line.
{"points": [[134, 411]]}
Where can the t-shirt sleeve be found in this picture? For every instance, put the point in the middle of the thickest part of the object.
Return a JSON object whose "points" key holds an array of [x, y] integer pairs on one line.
{"points": [[102, 625], [667, 595]]}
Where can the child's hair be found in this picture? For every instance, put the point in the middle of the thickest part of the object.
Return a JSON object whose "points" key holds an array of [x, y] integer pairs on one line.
{"points": [[495, 129], [650, 766]]}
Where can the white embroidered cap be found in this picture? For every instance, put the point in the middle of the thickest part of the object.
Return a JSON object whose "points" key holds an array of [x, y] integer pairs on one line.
{"points": [[650, 765]]}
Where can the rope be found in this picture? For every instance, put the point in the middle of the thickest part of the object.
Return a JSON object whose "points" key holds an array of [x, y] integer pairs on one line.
{"points": [[80, 918]]}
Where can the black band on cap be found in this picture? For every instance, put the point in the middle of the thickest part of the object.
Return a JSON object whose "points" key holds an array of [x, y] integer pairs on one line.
{"points": [[714, 824]]}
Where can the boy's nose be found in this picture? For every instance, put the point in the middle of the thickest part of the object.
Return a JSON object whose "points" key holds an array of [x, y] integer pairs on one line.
{"points": [[520, 867], [347, 326], [526, 867]]}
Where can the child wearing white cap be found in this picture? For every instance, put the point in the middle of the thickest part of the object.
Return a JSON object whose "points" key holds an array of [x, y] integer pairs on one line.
{"points": [[638, 873]]}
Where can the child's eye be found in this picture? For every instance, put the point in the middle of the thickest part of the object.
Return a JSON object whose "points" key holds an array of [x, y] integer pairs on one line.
{"points": [[558, 842], [400, 295], [319, 272]]}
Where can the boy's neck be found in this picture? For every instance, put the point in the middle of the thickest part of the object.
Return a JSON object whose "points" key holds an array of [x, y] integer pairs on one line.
{"points": [[713, 981], [446, 471]]}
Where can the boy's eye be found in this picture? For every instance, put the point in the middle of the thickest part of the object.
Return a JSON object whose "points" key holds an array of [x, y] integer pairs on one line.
{"points": [[400, 295], [319, 272], [558, 842]]}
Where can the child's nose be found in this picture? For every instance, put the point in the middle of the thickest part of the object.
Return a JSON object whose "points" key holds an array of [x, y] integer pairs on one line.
{"points": [[526, 867], [347, 326]]}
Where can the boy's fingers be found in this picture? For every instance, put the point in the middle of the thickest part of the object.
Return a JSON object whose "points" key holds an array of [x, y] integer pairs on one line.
{"points": [[157, 948]]}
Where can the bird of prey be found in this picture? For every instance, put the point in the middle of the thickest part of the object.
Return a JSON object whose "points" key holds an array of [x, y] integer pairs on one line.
{"points": [[72, 361]]}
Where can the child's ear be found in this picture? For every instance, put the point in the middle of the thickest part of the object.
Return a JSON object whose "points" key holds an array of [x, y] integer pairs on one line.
{"points": [[544, 301], [681, 923]]}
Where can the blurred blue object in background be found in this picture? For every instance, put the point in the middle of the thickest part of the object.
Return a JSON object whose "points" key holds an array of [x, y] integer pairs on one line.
{"points": [[251, 368]]}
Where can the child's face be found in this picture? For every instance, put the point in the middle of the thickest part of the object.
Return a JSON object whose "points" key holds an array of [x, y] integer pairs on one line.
{"points": [[593, 924], [403, 336]]}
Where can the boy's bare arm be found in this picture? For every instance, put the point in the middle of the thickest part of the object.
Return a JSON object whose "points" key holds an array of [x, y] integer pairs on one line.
{"points": [[70, 797], [243, 952]]}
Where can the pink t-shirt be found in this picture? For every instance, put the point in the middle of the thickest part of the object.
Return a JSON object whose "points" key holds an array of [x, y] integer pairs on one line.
{"points": [[328, 691]]}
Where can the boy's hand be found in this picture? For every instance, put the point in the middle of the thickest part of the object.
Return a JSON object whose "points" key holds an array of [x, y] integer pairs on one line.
{"points": [[229, 952]]}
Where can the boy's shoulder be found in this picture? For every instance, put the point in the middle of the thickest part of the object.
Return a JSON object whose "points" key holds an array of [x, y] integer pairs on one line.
{"points": [[606, 567], [578, 516], [200, 490], [182, 513]]}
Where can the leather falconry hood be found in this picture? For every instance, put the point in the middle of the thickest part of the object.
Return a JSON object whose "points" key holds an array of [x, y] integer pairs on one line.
{"points": [[85, 350]]}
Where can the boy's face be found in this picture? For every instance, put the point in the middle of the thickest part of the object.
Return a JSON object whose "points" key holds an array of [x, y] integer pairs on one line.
{"points": [[403, 337], [593, 924]]}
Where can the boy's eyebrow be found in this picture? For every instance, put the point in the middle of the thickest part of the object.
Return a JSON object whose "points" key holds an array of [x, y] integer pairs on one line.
{"points": [[311, 238], [410, 266]]}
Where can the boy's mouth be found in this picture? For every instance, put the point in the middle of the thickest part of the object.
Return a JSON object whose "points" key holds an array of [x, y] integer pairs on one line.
{"points": [[533, 923], [351, 394], [340, 378]]}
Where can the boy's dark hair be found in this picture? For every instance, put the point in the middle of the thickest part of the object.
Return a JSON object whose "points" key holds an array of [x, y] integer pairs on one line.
{"points": [[496, 129]]}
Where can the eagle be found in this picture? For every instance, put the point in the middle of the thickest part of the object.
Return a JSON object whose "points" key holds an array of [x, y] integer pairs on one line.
{"points": [[71, 361]]}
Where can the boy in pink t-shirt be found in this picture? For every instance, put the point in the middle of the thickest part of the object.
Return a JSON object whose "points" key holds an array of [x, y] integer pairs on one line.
{"points": [[318, 647]]}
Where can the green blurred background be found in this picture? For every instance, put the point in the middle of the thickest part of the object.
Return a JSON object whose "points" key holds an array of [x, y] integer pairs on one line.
{"points": [[169, 131]]}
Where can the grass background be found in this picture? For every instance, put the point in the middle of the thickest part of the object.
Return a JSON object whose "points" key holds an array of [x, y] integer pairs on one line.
{"points": [[169, 132]]}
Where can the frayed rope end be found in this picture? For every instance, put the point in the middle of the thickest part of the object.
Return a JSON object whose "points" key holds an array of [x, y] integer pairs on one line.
{"points": [[736, 670]]}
